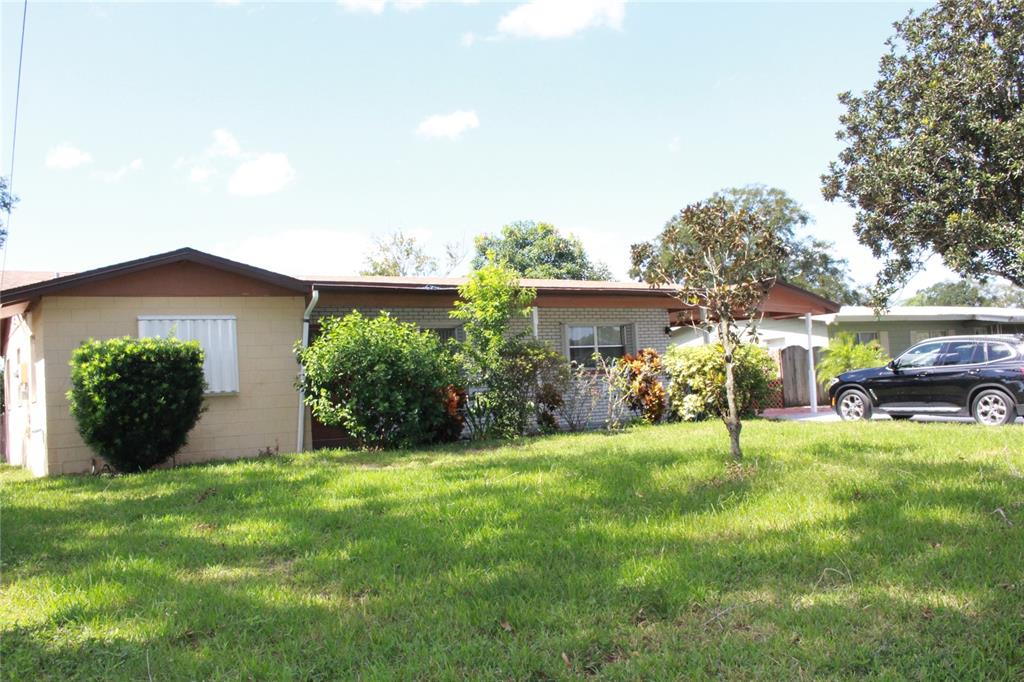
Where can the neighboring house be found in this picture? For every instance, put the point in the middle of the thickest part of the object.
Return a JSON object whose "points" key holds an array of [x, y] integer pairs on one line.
{"points": [[900, 327], [248, 320]]}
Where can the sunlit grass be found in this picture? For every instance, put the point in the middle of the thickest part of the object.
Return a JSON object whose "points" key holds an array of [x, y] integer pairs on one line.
{"points": [[835, 550]]}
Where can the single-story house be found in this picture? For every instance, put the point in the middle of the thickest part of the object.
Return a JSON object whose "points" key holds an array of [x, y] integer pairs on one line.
{"points": [[248, 320], [900, 327]]}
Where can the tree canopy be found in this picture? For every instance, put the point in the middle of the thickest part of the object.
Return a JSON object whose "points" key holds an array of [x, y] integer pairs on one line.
{"points": [[538, 250], [399, 255], [809, 262], [934, 152], [969, 292], [7, 201]]}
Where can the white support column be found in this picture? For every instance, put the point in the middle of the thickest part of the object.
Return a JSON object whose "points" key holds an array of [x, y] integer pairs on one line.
{"points": [[704, 335], [536, 323], [812, 378]]}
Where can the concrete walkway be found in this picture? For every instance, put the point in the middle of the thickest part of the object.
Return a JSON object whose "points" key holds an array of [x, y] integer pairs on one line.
{"points": [[827, 414]]}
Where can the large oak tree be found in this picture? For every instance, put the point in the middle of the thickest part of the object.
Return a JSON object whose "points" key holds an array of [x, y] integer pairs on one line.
{"points": [[933, 156]]}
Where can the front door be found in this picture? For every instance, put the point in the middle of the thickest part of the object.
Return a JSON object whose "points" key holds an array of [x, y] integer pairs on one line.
{"points": [[949, 381], [904, 387]]}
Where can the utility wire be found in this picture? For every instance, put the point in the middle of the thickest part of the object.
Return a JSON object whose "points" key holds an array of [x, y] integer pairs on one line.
{"points": [[14, 144]]}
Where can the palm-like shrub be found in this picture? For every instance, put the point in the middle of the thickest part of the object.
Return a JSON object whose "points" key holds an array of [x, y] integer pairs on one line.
{"points": [[844, 354], [135, 400], [697, 380], [387, 383]]}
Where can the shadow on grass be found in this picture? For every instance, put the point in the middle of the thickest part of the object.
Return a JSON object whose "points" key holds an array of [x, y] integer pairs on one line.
{"points": [[630, 556]]}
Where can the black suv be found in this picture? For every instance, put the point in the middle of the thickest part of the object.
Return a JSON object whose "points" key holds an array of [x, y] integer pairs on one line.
{"points": [[956, 376]]}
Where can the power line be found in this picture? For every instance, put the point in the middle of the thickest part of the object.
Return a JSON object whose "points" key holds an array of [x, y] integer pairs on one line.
{"points": [[14, 144]]}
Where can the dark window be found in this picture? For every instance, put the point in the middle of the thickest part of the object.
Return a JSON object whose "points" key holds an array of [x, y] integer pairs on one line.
{"points": [[999, 351], [962, 353], [924, 355]]}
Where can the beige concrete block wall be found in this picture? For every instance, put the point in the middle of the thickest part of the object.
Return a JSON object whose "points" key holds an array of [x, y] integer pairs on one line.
{"points": [[262, 415]]}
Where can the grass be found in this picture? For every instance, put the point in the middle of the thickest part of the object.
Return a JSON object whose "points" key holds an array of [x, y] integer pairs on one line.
{"points": [[836, 551]]}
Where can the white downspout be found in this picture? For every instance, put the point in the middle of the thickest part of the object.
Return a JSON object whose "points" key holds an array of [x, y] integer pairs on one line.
{"points": [[812, 378], [301, 435], [536, 323]]}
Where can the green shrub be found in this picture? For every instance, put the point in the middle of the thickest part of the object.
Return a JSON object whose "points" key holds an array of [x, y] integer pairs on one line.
{"points": [[387, 383], [844, 354], [697, 380], [644, 393], [135, 400]]}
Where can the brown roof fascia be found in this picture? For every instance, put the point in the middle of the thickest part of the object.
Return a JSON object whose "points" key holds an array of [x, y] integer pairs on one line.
{"points": [[58, 284]]}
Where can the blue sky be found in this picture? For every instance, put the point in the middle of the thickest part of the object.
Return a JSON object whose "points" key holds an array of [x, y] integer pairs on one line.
{"points": [[288, 135]]}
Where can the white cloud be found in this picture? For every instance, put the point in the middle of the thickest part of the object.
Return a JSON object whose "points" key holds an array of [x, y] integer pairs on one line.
{"points": [[448, 125], [200, 174], [232, 3], [302, 251], [224, 145], [263, 174], [675, 144], [468, 39], [561, 18], [118, 175], [66, 157], [371, 6]]}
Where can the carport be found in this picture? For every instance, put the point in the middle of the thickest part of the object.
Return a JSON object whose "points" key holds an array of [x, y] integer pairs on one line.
{"points": [[784, 301]]}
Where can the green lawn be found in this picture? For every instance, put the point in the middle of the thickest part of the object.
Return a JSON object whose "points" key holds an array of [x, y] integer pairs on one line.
{"points": [[836, 550]]}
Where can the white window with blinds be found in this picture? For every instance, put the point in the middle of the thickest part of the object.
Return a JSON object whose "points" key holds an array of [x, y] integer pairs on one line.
{"points": [[217, 336]]}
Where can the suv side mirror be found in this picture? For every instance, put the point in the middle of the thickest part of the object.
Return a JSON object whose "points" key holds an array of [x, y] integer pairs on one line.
{"points": [[893, 365]]}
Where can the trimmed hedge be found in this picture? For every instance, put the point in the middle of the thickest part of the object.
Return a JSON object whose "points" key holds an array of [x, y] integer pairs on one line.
{"points": [[386, 382], [697, 373], [135, 400]]}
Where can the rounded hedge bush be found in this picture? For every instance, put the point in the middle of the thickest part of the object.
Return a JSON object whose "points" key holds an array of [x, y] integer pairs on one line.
{"points": [[136, 400], [387, 383], [697, 379]]}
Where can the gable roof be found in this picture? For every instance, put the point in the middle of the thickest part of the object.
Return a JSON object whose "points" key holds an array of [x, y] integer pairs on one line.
{"points": [[31, 290]]}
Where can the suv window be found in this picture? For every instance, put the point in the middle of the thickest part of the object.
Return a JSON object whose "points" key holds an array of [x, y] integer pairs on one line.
{"points": [[962, 353], [924, 355], [999, 351]]}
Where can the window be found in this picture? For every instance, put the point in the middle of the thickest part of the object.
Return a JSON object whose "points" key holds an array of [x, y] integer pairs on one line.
{"points": [[608, 340], [919, 335], [446, 334], [216, 334], [864, 338], [962, 353], [999, 351], [924, 355]]}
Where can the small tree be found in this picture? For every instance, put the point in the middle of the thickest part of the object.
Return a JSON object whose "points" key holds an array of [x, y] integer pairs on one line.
{"points": [[7, 202], [721, 258], [399, 255], [135, 400], [387, 383], [844, 354]]}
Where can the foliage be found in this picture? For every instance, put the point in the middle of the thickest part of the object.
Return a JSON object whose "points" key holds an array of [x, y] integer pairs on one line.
{"points": [[135, 400], [844, 354], [697, 380], [644, 392], [809, 263], [493, 356], [387, 383], [398, 255], [7, 202], [580, 391], [538, 250], [626, 552], [969, 292], [723, 258], [934, 152]]}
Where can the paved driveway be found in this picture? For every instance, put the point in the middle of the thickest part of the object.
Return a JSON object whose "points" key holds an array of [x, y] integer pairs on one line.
{"points": [[827, 414]]}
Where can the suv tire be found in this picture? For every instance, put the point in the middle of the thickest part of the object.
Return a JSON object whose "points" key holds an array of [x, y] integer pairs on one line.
{"points": [[853, 405], [992, 407]]}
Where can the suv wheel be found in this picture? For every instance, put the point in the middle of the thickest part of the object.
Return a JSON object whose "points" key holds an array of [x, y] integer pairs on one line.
{"points": [[853, 406], [992, 408]]}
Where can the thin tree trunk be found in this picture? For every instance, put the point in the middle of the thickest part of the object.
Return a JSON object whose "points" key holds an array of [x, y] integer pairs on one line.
{"points": [[732, 419]]}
